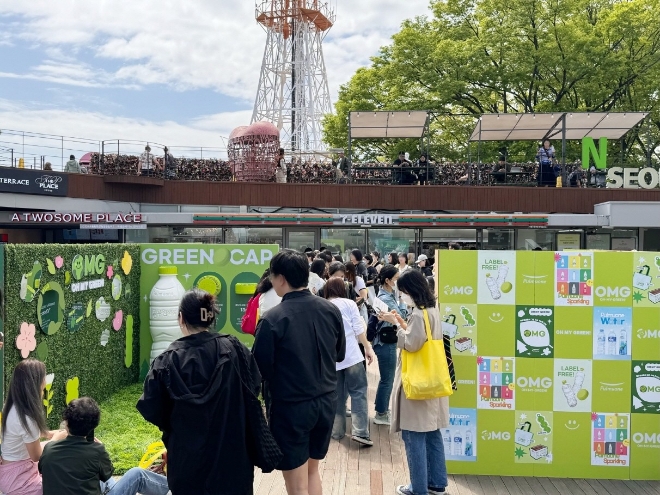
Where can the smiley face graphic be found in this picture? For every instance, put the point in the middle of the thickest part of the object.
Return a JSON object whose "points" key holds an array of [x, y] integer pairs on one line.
{"points": [[572, 424], [496, 317]]}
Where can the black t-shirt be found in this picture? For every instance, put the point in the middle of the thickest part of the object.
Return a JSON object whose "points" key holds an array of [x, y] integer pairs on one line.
{"points": [[74, 466]]}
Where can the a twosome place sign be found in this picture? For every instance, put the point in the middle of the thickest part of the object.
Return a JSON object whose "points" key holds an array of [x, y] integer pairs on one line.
{"points": [[17, 180], [78, 218]]}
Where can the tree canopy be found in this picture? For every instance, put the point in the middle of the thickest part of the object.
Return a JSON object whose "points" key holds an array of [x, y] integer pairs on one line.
{"points": [[469, 57]]}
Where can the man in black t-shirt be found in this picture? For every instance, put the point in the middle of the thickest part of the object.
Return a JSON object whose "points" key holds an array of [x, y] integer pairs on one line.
{"points": [[404, 175]]}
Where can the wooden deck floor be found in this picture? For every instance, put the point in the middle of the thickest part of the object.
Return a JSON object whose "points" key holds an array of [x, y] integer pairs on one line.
{"points": [[350, 469]]}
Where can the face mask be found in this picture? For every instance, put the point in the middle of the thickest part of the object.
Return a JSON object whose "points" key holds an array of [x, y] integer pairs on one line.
{"points": [[407, 300]]}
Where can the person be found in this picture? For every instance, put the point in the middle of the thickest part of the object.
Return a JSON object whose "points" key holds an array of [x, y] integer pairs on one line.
{"points": [[269, 298], [386, 351], [170, 164], [360, 266], [402, 265], [338, 258], [546, 159], [72, 166], [316, 273], [351, 374], [146, 162], [419, 421], [393, 258], [281, 169], [425, 169], [194, 392], [343, 166], [297, 348], [404, 174], [23, 425], [359, 294], [378, 263], [327, 257], [48, 166], [372, 277], [80, 465], [310, 257], [455, 246], [423, 265]]}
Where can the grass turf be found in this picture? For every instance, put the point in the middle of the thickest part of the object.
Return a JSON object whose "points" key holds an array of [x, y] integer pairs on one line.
{"points": [[123, 431]]}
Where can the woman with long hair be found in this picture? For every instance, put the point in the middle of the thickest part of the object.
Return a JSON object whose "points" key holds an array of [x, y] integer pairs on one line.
{"points": [[384, 343], [316, 276], [194, 393], [419, 421], [351, 374], [393, 258], [268, 299], [23, 426]]}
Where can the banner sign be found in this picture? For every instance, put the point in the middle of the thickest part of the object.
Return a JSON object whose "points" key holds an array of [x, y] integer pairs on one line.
{"points": [[557, 358], [16, 180]]}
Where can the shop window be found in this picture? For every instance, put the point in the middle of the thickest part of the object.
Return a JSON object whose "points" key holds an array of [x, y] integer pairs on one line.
{"points": [[387, 241], [531, 239], [433, 239], [498, 239], [343, 241], [253, 235]]}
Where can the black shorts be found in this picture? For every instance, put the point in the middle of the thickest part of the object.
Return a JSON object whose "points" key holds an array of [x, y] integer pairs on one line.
{"points": [[303, 429]]}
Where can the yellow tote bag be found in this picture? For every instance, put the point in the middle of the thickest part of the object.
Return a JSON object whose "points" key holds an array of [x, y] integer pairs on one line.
{"points": [[425, 373]]}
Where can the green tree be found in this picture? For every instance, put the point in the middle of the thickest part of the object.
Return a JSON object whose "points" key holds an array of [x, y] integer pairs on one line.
{"points": [[470, 57]]}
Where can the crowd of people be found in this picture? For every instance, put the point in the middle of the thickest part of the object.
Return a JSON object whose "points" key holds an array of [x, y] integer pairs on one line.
{"points": [[320, 323]]}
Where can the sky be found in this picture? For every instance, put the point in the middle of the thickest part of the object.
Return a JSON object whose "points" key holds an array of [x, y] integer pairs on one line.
{"points": [[182, 73]]}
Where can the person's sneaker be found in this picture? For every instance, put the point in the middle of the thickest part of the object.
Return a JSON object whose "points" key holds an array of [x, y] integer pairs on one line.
{"points": [[404, 490], [436, 491], [348, 413], [363, 440], [382, 419]]}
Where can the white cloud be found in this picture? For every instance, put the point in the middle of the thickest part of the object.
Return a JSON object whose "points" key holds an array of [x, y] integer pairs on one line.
{"points": [[213, 44]]}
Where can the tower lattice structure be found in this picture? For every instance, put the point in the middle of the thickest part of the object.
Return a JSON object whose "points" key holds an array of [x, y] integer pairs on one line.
{"points": [[293, 89]]}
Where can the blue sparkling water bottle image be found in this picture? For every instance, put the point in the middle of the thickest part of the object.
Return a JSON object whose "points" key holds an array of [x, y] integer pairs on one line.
{"points": [[623, 343], [468, 443]]}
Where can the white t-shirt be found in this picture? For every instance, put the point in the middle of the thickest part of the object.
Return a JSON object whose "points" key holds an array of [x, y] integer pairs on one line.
{"points": [[359, 285], [267, 301], [15, 437], [353, 326]]}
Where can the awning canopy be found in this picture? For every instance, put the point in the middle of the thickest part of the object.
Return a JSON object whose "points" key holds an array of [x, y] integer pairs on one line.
{"points": [[538, 126], [401, 124]]}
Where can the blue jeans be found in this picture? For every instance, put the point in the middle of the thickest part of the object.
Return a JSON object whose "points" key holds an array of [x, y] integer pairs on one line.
{"points": [[134, 481], [426, 460], [386, 354], [352, 380]]}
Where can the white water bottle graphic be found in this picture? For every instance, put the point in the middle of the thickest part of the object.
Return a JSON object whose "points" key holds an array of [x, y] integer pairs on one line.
{"points": [[468, 443], [164, 302], [458, 443], [623, 343], [611, 343], [600, 350], [446, 440]]}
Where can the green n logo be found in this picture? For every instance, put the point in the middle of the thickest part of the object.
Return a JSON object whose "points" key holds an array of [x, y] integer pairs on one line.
{"points": [[589, 151]]}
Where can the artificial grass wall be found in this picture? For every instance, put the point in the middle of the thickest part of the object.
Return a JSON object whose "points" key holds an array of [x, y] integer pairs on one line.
{"points": [[72, 340]]}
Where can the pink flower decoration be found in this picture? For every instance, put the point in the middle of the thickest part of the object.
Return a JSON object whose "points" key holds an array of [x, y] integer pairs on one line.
{"points": [[594, 416], [480, 360], [59, 262], [110, 271], [116, 322], [25, 341], [557, 256]]}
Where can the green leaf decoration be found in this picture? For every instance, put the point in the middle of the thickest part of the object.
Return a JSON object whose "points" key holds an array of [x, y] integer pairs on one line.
{"points": [[67, 277], [88, 313], [42, 351], [72, 386], [51, 266]]}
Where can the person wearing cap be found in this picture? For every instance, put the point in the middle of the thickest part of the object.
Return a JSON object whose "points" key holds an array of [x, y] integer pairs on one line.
{"points": [[147, 162], [422, 264]]}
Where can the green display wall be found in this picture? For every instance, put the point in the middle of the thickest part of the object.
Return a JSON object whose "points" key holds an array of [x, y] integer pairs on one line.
{"points": [[557, 358], [230, 272], [75, 307]]}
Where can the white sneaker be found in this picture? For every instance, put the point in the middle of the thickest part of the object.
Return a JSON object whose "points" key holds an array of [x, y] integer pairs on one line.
{"points": [[382, 419]]}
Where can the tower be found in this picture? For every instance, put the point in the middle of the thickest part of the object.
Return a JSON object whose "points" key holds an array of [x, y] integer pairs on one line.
{"points": [[293, 89]]}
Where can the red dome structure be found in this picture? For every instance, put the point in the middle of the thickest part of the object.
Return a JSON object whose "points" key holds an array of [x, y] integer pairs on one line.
{"points": [[253, 151]]}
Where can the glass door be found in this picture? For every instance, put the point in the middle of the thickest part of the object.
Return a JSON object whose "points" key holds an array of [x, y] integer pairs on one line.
{"points": [[300, 239]]}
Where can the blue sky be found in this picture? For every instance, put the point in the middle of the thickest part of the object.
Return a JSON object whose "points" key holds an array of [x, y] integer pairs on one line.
{"points": [[182, 73]]}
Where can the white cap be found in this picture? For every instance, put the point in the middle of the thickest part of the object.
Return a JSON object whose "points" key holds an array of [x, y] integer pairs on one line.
{"points": [[422, 257]]}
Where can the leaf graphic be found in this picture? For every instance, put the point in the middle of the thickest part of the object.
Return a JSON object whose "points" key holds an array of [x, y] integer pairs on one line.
{"points": [[51, 266], [67, 277], [89, 308]]}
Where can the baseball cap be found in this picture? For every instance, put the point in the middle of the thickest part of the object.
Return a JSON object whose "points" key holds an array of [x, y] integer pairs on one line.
{"points": [[422, 257]]}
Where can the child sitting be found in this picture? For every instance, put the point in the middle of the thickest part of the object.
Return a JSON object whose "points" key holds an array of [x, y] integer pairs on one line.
{"points": [[80, 465]]}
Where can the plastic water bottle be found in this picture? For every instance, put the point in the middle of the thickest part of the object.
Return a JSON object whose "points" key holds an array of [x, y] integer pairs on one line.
{"points": [[164, 302], [611, 343], [468, 443], [600, 350], [623, 343], [458, 443], [446, 440]]}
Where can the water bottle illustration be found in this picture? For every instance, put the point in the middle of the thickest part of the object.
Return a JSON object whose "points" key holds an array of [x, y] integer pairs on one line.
{"points": [[611, 343], [458, 443], [601, 342], [623, 343], [468, 443], [164, 302], [446, 440]]}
